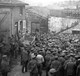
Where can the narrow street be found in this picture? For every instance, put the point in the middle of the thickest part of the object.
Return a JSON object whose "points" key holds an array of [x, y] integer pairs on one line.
{"points": [[16, 71]]}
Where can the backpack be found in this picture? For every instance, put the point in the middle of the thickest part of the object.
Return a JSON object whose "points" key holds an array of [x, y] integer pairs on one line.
{"points": [[32, 66], [70, 68]]}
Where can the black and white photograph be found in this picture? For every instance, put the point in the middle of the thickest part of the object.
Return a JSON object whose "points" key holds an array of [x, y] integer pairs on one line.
{"points": [[39, 37]]}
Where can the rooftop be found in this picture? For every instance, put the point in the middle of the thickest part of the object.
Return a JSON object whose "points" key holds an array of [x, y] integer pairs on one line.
{"points": [[12, 3]]}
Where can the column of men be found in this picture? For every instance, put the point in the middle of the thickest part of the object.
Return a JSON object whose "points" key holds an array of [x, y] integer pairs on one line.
{"points": [[55, 55], [59, 56]]}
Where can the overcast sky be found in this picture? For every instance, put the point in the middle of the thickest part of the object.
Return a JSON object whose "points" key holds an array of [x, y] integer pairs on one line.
{"points": [[42, 2]]}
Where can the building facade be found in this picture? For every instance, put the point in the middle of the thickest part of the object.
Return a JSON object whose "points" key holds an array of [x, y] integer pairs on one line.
{"points": [[12, 18], [36, 22]]}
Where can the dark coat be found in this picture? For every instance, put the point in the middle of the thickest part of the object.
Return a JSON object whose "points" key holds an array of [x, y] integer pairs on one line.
{"points": [[32, 66], [78, 70]]}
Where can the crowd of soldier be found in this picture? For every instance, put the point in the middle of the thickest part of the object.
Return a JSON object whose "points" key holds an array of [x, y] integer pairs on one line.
{"points": [[57, 55], [9, 51]]}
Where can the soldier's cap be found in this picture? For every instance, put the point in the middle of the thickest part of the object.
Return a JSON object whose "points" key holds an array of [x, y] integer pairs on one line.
{"points": [[32, 55], [4, 56], [62, 54], [64, 51], [40, 51], [71, 54], [52, 70], [56, 57], [48, 52], [1, 45], [79, 59], [77, 56]]}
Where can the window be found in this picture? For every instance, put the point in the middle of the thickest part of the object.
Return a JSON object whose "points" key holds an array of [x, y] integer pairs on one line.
{"points": [[16, 26], [21, 25], [21, 10]]}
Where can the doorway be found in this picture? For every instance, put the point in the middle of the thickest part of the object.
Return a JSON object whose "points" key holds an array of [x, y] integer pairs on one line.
{"points": [[35, 27]]}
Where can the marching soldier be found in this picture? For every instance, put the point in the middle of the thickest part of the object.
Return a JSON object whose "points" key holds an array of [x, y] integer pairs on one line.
{"points": [[56, 65], [24, 60], [47, 62], [5, 68], [40, 60], [32, 66]]}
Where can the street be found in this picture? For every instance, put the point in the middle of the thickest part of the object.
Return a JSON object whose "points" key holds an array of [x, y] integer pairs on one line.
{"points": [[16, 71]]}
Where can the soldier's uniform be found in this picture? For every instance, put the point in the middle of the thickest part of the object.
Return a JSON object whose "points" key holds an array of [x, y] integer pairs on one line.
{"points": [[62, 60], [5, 66], [56, 65], [40, 60], [32, 67], [52, 72], [78, 70], [0, 62], [77, 65], [70, 68], [47, 63], [24, 60]]}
